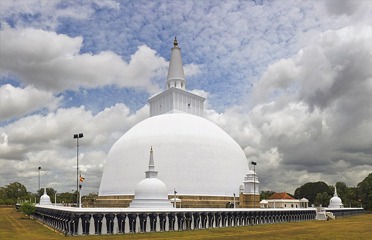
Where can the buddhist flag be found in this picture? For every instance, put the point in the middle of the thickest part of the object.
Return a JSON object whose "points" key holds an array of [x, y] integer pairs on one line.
{"points": [[81, 179]]}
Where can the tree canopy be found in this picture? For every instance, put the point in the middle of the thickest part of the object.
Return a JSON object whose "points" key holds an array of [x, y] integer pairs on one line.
{"points": [[13, 192], [365, 192], [311, 190]]}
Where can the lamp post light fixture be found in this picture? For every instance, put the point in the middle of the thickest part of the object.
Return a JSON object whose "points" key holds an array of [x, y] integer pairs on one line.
{"points": [[254, 183], [77, 136]]}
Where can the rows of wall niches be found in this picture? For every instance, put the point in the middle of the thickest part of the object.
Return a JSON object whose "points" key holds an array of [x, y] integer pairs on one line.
{"points": [[95, 223]]}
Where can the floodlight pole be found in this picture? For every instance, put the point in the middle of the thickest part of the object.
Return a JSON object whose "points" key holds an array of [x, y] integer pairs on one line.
{"points": [[175, 199], [39, 177], [80, 196], [254, 183], [77, 136], [234, 200]]}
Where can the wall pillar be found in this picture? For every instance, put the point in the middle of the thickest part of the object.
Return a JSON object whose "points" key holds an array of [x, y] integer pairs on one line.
{"points": [[249, 200]]}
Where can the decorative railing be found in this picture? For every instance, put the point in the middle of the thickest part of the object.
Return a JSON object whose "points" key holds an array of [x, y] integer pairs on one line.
{"points": [[87, 221]]}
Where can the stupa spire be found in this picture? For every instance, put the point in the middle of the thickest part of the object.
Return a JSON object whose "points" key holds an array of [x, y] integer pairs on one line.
{"points": [[176, 75], [151, 173], [335, 194]]}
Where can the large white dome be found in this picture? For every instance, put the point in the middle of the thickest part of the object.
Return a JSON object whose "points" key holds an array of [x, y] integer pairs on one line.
{"points": [[193, 155]]}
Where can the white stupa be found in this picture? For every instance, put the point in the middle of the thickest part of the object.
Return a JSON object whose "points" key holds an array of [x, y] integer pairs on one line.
{"points": [[45, 199], [194, 155], [335, 201], [251, 183], [151, 192]]}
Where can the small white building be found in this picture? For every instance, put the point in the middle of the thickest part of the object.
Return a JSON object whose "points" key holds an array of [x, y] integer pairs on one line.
{"points": [[264, 204], [284, 200]]}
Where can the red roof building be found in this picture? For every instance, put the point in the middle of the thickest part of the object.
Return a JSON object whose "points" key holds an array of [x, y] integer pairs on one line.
{"points": [[283, 200]]}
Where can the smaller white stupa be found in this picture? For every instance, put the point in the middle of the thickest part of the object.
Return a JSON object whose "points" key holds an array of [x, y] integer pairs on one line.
{"points": [[335, 201], [151, 192], [251, 183], [45, 199]]}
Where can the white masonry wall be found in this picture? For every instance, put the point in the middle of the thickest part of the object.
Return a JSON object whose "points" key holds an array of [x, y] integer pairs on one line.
{"points": [[174, 100]]}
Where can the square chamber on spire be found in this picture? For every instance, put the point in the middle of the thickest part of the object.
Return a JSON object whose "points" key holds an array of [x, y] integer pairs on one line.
{"points": [[176, 100]]}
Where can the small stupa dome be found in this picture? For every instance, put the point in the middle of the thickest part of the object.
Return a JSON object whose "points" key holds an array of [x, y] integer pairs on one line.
{"points": [[45, 199], [264, 202], [151, 188], [335, 201]]}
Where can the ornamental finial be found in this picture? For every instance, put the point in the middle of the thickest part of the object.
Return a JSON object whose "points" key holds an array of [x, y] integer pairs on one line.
{"points": [[175, 43]]}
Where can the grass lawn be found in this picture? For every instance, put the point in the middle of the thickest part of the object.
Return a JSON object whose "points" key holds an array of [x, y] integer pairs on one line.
{"points": [[14, 225]]}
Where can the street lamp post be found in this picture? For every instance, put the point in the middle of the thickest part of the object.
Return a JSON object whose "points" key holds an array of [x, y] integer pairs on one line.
{"points": [[39, 177], [234, 200], [175, 199], [254, 183], [77, 136]]}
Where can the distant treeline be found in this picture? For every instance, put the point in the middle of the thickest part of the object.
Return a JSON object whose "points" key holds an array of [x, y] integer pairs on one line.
{"points": [[318, 193]]}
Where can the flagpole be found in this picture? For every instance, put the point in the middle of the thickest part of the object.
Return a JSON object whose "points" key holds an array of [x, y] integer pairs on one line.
{"points": [[80, 190], [80, 198], [80, 185]]}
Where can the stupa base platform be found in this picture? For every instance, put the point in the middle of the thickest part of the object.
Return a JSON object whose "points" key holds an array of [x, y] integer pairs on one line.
{"points": [[183, 201]]}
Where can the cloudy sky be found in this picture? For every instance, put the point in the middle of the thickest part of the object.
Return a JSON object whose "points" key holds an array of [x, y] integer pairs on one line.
{"points": [[290, 81]]}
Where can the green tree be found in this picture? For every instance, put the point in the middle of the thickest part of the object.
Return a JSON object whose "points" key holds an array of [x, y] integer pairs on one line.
{"points": [[27, 208], [322, 199], [13, 192], [311, 190], [342, 190], [266, 194], [67, 197], [351, 198], [365, 192]]}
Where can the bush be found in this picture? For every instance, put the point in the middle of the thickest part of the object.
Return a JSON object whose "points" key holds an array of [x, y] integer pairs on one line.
{"points": [[27, 208]]}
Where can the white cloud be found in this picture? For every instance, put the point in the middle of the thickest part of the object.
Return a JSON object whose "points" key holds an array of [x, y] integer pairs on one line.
{"points": [[47, 14], [308, 117], [311, 113], [357, 10], [47, 141], [16, 102], [52, 61]]}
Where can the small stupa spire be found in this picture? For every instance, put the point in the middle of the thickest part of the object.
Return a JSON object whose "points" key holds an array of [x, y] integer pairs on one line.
{"points": [[151, 161], [175, 43], [335, 194], [151, 173]]}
